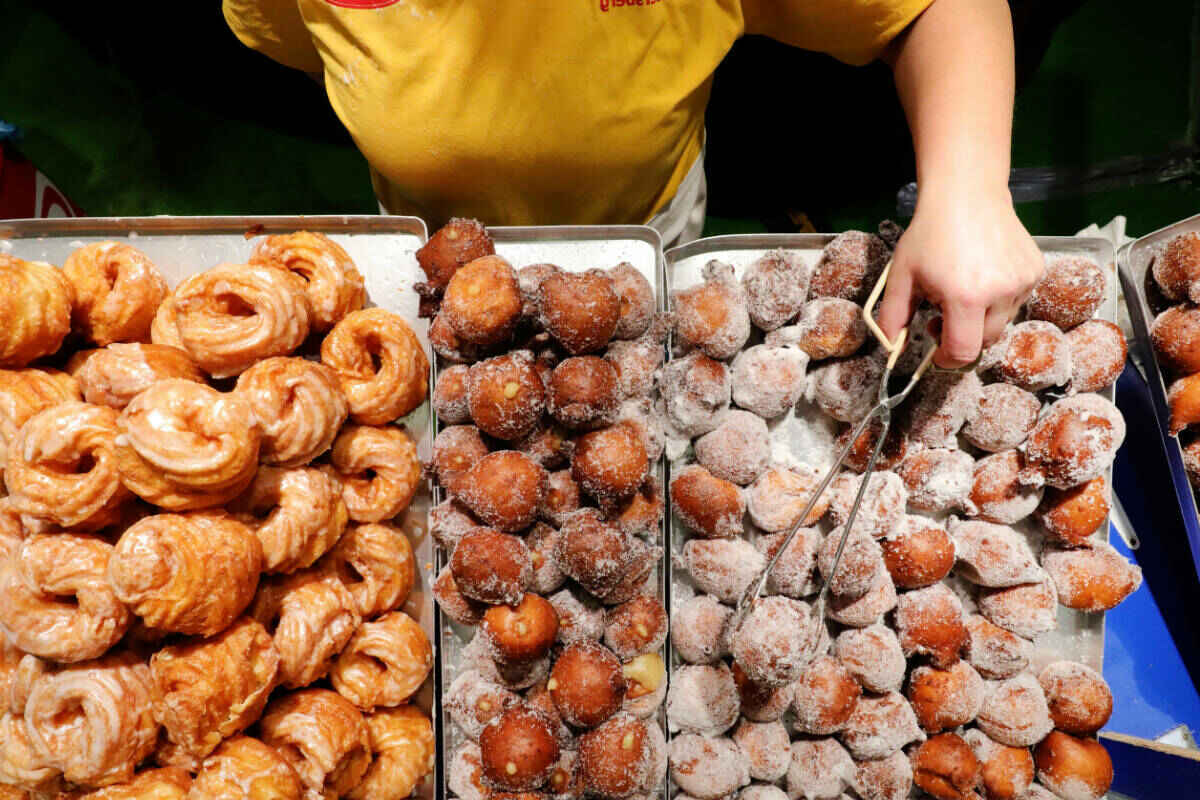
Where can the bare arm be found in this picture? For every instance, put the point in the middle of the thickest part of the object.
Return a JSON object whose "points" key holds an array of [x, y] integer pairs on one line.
{"points": [[966, 250]]}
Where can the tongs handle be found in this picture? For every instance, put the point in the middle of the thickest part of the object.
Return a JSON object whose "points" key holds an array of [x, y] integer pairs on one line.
{"points": [[893, 348]]}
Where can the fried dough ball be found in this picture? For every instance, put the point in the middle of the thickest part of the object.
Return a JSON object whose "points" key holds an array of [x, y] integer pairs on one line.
{"points": [[1183, 398], [993, 555], [621, 754], [888, 778], [482, 301], [794, 574], [882, 507], [737, 450], [458, 242], [1073, 442], [696, 391], [698, 629], [587, 683], [446, 343], [636, 627], [36, 306], [323, 737], [760, 702], [450, 395], [1079, 699], [820, 770], [583, 392], [1003, 417], [891, 455], [453, 603], [861, 562], [491, 567], [997, 493], [849, 266], [723, 567], [712, 316], [710, 506], [930, 622], [776, 640], [1068, 293], [702, 699], [642, 514], [464, 773], [944, 699], [529, 279], [1032, 355], [384, 663], [769, 380], [776, 285], [379, 470], [505, 395], [610, 464], [880, 726], [404, 747], [917, 553], [474, 701], [515, 677], [1098, 352], [995, 652], [547, 444], [780, 494], [548, 577], [767, 747], [824, 697], [580, 310], [645, 685], [1175, 334], [1015, 712], [636, 298], [635, 361], [1026, 609], [647, 419], [114, 375], [1176, 268], [946, 768], [1071, 516], [1072, 767], [872, 655], [579, 616], [1091, 578], [638, 579], [859, 612], [847, 388], [830, 327], [593, 552], [521, 632], [518, 750], [456, 449], [938, 480], [504, 489], [1007, 771], [708, 768], [940, 406]]}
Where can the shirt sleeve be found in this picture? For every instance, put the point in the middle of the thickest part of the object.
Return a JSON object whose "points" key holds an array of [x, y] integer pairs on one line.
{"points": [[274, 28], [854, 31]]}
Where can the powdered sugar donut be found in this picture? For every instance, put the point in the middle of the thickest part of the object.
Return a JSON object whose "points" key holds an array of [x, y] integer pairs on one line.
{"points": [[944, 699], [820, 770], [825, 696], [473, 701], [636, 297], [1098, 351], [776, 284], [882, 507], [846, 389], [873, 656], [737, 450], [997, 493], [918, 552], [828, 327], [1175, 334], [775, 641], [767, 747], [1015, 712], [938, 480], [880, 726], [781, 493], [849, 266], [722, 567], [1033, 355], [712, 316], [1091, 578], [760, 703], [888, 778], [1069, 292], [769, 380], [794, 572], [992, 555], [707, 768], [698, 629], [1075, 441], [709, 506], [695, 391], [636, 361], [940, 406], [1176, 268], [929, 622], [862, 611], [861, 563], [702, 699], [1003, 417], [995, 652], [1026, 609], [579, 617]]}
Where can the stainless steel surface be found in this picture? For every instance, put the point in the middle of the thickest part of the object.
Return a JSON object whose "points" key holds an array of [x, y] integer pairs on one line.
{"points": [[383, 249], [575, 248]]}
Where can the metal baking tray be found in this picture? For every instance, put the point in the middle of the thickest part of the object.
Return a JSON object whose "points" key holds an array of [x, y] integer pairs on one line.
{"points": [[574, 248], [383, 249], [1133, 263], [808, 435]]}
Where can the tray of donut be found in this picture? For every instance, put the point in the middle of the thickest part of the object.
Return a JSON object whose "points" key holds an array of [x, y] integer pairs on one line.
{"points": [[961, 648], [551, 583], [1161, 273], [213, 545]]}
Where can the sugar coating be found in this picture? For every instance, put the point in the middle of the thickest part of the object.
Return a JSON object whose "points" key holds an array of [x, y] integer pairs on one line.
{"points": [[593, 552], [578, 617], [1176, 267], [709, 506], [1074, 441], [918, 552], [504, 489], [1098, 352], [1069, 292], [794, 572], [888, 778], [873, 656], [769, 380], [779, 495], [997, 492], [636, 627], [464, 771], [992, 555], [477, 655], [880, 726], [636, 361], [761, 791], [453, 603], [1003, 417], [698, 629], [450, 395], [847, 388], [722, 567], [707, 768], [824, 696], [820, 769], [1015, 712], [995, 652], [1093, 578], [737, 450], [946, 698], [548, 577], [1076, 693], [767, 747], [1032, 355], [861, 563], [1026, 609], [939, 407], [636, 296], [938, 480], [761, 703], [529, 280], [1006, 769], [776, 284], [1175, 334], [883, 503], [775, 641], [648, 422], [702, 699], [849, 266], [695, 390], [494, 408], [868, 609], [473, 701], [448, 521], [828, 327], [456, 449], [929, 622], [712, 316]]}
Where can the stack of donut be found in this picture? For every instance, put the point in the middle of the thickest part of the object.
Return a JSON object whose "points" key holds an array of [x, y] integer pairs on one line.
{"points": [[550, 523], [1175, 334], [200, 568], [925, 671]]}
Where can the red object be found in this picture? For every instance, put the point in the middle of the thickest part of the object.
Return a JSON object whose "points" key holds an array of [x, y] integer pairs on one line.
{"points": [[25, 192]]}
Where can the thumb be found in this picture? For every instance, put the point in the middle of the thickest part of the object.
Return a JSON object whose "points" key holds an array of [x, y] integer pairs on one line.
{"points": [[899, 302]]}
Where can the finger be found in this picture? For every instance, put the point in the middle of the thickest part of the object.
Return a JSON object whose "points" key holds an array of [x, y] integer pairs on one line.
{"points": [[898, 304], [962, 336], [994, 322]]}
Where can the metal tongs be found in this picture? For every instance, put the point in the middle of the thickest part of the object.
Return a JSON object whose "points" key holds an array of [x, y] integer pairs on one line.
{"points": [[883, 411]]}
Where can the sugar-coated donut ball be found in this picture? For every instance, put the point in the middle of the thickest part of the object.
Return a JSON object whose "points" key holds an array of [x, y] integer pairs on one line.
{"points": [[698, 629], [477, 655], [474, 701], [647, 419], [1032, 355], [708, 768], [702, 699], [548, 444], [891, 455], [1069, 292], [587, 683], [1026, 609], [518, 750], [464, 773], [635, 361], [636, 627], [579, 616], [1015, 712], [709, 506], [997, 491], [859, 612], [1071, 516], [944, 699], [938, 480], [448, 521], [929, 622], [529, 279], [879, 726], [760, 702], [767, 747], [1183, 400], [583, 392], [830, 327], [781, 493], [776, 284], [763, 791], [453, 603], [458, 242], [882, 507], [521, 632], [1098, 351], [645, 685], [939, 407], [1091, 578], [591, 551], [992, 555], [504, 489], [447, 344], [491, 567], [917, 553], [642, 513], [455, 450], [579, 309], [849, 266], [994, 652], [1002, 418], [610, 464], [562, 497], [1175, 334], [712, 316], [1073, 768], [824, 696], [1079, 698], [946, 768], [775, 642], [548, 577], [769, 380], [794, 574], [847, 388], [737, 450], [1176, 268], [695, 391], [1007, 772], [723, 567], [888, 778], [482, 302], [635, 296], [450, 395], [622, 757], [505, 395], [820, 770], [638, 578], [861, 563], [872, 655]]}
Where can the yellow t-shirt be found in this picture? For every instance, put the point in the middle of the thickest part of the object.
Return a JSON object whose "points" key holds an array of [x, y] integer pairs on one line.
{"points": [[540, 111]]}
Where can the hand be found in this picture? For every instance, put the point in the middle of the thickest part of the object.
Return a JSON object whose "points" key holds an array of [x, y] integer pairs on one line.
{"points": [[970, 256]]}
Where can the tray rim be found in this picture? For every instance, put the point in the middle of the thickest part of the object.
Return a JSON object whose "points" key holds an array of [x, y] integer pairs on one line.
{"points": [[171, 225]]}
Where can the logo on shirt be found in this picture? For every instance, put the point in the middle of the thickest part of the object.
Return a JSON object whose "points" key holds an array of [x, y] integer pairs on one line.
{"points": [[362, 3], [605, 5]]}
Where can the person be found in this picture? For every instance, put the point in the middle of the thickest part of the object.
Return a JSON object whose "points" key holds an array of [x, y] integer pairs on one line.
{"points": [[592, 112]]}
